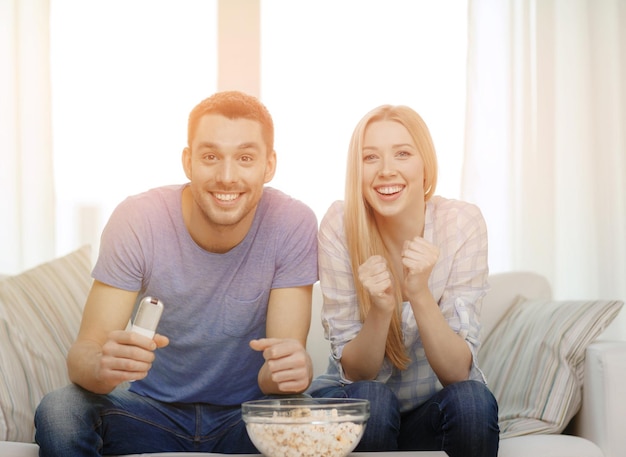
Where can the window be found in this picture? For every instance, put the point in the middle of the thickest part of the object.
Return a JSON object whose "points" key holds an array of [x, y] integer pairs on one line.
{"points": [[127, 73], [324, 64]]}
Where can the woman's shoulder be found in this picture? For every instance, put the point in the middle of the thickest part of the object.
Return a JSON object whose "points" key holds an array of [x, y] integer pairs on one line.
{"points": [[334, 213], [447, 209], [332, 224], [443, 204]]}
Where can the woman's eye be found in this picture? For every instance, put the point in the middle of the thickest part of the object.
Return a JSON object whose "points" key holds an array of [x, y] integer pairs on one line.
{"points": [[403, 153], [369, 157]]}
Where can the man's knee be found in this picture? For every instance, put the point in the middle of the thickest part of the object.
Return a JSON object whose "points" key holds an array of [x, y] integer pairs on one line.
{"points": [[64, 406]]}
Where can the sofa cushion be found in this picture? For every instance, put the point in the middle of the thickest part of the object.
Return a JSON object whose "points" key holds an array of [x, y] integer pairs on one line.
{"points": [[40, 311], [534, 359]]}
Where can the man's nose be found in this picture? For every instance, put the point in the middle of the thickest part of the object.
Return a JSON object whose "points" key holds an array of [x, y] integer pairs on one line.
{"points": [[227, 171]]}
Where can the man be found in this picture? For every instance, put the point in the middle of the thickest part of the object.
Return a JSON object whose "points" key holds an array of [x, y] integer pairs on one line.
{"points": [[233, 262]]}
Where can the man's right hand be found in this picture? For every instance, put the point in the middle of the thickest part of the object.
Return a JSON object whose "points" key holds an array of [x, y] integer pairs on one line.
{"points": [[127, 356], [105, 355]]}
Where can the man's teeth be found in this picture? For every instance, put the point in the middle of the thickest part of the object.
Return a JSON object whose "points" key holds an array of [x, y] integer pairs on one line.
{"points": [[389, 190], [226, 197]]}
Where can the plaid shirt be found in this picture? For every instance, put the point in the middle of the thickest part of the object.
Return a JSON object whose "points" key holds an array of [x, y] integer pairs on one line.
{"points": [[458, 283]]}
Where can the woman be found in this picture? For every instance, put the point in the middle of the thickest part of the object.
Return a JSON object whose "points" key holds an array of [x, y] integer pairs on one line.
{"points": [[403, 275]]}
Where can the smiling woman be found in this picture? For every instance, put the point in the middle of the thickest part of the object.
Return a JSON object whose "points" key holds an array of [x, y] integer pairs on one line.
{"points": [[125, 76]]}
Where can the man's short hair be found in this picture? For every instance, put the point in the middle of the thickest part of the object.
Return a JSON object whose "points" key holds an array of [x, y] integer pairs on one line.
{"points": [[233, 105]]}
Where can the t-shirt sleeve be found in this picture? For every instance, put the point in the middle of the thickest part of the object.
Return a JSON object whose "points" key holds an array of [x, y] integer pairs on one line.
{"points": [[121, 262], [296, 263]]}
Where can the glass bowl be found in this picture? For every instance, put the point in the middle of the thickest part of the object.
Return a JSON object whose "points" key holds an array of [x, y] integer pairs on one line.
{"points": [[305, 427]]}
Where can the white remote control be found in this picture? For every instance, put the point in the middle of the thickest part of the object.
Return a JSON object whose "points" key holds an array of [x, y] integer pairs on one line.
{"points": [[147, 316]]}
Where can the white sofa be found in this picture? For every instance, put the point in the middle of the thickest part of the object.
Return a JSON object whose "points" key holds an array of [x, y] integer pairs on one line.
{"points": [[598, 404]]}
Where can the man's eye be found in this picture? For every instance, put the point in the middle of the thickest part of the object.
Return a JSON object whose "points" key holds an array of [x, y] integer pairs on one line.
{"points": [[246, 159]]}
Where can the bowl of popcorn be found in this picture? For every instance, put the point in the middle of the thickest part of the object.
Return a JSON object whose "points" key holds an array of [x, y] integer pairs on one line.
{"points": [[305, 427]]}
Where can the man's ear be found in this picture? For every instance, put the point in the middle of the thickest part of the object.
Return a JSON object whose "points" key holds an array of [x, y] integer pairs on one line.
{"points": [[270, 167], [186, 160]]}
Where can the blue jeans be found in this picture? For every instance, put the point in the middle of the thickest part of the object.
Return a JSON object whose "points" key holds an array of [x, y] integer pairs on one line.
{"points": [[74, 422], [461, 419]]}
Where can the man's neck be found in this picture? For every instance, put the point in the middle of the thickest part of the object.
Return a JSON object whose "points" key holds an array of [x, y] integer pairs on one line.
{"points": [[209, 236]]}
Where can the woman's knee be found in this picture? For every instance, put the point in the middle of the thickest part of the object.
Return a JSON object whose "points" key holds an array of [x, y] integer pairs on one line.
{"points": [[384, 406], [383, 425], [473, 403], [380, 396]]}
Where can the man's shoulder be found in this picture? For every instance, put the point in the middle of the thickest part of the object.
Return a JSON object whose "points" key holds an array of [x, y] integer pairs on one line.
{"points": [[277, 201], [156, 196], [160, 192]]}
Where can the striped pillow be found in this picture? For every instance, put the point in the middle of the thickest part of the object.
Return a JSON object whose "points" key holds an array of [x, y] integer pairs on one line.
{"points": [[534, 360], [40, 311]]}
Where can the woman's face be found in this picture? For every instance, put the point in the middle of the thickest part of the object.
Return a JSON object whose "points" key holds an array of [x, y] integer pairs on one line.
{"points": [[393, 170]]}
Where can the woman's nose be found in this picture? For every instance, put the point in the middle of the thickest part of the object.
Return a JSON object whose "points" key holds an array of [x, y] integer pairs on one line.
{"points": [[386, 167]]}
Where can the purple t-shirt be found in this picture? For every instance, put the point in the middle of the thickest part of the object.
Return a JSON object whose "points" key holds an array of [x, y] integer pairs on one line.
{"points": [[214, 304]]}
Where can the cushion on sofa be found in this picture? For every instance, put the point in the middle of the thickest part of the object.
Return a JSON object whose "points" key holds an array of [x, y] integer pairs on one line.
{"points": [[534, 359], [40, 311]]}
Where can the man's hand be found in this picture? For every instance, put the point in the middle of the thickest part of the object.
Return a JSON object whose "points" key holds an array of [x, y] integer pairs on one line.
{"points": [[127, 356], [287, 364]]}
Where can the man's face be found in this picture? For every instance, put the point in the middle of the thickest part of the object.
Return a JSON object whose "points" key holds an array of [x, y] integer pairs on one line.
{"points": [[228, 165]]}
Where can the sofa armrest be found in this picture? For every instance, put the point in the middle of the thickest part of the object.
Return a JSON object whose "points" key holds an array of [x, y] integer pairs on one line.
{"points": [[602, 415]]}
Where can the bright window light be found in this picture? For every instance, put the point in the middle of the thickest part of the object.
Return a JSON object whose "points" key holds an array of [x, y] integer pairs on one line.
{"points": [[125, 75], [326, 63]]}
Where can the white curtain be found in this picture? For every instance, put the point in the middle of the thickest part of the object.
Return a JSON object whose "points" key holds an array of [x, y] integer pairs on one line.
{"points": [[545, 154], [26, 184]]}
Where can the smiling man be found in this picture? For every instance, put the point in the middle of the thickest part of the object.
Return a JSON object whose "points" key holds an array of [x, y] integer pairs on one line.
{"points": [[233, 261]]}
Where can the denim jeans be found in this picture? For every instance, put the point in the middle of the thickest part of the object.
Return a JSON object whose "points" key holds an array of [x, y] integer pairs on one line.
{"points": [[461, 419], [72, 422]]}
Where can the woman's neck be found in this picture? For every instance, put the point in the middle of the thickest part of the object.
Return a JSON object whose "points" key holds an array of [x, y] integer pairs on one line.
{"points": [[396, 230]]}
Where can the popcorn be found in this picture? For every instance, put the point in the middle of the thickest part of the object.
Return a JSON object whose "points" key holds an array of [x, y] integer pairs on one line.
{"points": [[303, 432]]}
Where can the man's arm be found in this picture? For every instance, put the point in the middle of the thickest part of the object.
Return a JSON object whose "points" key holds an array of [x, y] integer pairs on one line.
{"points": [[104, 355], [288, 367]]}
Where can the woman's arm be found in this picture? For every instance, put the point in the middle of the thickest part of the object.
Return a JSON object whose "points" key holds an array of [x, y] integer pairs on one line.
{"points": [[449, 327], [358, 346]]}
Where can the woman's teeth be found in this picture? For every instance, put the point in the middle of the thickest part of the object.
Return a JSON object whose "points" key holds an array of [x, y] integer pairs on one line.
{"points": [[388, 190]]}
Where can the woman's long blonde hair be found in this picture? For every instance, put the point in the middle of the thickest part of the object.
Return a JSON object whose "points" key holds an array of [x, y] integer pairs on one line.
{"points": [[363, 238]]}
